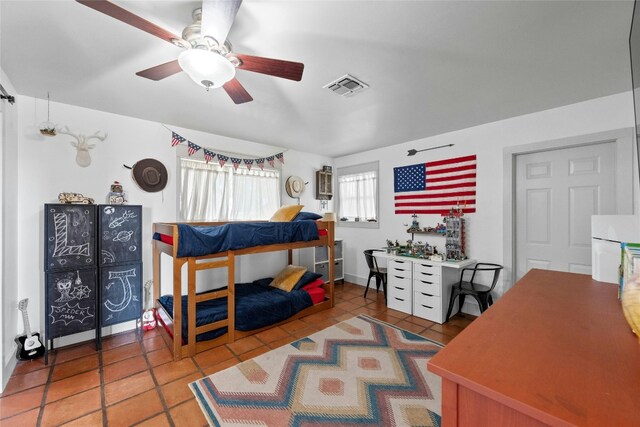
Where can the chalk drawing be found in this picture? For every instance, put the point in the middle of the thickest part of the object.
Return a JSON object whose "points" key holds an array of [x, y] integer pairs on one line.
{"points": [[80, 292], [123, 236], [133, 248], [61, 247], [109, 210], [123, 276], [108, 257], [117, 222], [69, 292], [70, 313], [64, 287]]}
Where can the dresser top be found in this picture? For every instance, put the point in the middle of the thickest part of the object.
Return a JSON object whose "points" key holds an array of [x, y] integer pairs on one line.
{"points": [[555, 347], [449, 264]]}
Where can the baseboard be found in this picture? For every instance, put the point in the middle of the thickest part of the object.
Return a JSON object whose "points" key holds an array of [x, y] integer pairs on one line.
{"points": [[9, 366], [355, 279]]}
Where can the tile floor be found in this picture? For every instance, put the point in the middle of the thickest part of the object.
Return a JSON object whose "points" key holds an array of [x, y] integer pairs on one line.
{"points": [[134, 381]]}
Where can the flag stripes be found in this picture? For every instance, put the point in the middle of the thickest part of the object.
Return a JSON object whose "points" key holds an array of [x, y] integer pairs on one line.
{"points": [[436, 187]]}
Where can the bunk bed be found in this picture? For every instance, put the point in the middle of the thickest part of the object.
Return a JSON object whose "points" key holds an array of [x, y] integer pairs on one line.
{"points": [[176, 240]]}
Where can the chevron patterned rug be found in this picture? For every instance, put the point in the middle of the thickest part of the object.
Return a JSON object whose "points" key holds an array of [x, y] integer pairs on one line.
{"points": [[358, 372]]}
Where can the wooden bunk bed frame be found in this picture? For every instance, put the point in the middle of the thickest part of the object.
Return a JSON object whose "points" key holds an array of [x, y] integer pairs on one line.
{"points": [[220, 260]]}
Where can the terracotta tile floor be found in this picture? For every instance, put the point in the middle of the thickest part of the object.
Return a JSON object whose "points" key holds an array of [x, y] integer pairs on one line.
{"points": [[134, 381]]}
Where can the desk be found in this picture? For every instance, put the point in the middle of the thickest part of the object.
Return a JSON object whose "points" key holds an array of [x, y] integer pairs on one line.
{"points": [[554, 350], [421, 287]]}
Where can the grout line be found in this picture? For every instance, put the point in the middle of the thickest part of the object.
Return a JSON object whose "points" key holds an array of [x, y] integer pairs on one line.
{"points": [[158, 388], [103, 399], [52, 359]]}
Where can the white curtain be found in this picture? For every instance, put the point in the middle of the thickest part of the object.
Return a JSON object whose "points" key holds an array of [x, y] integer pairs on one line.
{"points": [[256, 194], [358, 196], [209, 192]]}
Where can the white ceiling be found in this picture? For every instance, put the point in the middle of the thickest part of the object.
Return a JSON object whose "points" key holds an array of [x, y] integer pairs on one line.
{"points": [[432, 66]]}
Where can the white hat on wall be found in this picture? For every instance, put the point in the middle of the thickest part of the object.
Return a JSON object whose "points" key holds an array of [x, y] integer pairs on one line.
{"points": [[294, 186]]}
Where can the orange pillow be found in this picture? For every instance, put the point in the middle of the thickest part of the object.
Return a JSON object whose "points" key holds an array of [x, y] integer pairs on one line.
{"points": [[286, 213], [287, 278]]}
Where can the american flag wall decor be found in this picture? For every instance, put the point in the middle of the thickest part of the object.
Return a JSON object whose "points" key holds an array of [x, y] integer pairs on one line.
{"points": [[435, 187]]}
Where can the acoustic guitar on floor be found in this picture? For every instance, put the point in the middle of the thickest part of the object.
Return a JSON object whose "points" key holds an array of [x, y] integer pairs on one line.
{"points": [[29, 345]]}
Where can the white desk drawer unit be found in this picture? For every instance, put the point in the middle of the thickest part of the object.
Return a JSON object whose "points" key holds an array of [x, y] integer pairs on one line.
{"points": [[399, 285], [421, 287]]}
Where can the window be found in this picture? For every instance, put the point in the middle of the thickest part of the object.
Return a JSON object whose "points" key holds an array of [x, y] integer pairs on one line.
{"points": [[212, 193], [358, 195]]}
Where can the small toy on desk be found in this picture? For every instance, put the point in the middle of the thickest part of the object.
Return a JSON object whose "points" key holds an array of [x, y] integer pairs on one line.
{"points": [[415, 225]]}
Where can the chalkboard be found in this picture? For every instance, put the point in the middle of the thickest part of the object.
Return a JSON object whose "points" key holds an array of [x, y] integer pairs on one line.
{"points": [[120, 293], [120, 234], [70, 302], [70, 236]]}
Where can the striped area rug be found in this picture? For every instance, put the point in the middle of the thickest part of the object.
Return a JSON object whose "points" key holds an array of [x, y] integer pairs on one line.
{"points": [[358, 372]]}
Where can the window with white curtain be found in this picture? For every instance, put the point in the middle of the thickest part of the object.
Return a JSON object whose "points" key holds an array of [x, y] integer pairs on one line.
{"points": [[358, 194], [210, 192]]}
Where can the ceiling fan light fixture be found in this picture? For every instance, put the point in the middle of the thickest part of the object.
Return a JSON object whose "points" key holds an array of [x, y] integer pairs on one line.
{"points": [[208, 69]]}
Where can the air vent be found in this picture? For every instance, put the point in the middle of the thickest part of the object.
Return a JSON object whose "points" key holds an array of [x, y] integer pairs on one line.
{"points": [[346, 85]]}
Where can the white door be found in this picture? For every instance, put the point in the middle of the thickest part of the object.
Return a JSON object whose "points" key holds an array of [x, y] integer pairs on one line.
{"points": [[557, 191]]}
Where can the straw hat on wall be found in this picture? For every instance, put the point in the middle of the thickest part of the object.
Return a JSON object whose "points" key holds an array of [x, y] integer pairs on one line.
{"points": [[294, 186]]}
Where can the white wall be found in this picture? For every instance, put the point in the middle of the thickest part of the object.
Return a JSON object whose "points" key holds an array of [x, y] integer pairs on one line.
{"points": [[485, 227], [9, 233], [45, 166]]}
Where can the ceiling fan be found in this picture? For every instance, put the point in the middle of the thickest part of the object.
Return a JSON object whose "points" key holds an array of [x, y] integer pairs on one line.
{"points": [[207, 57]]}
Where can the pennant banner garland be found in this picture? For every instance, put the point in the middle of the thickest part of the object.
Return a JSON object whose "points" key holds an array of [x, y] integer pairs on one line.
{"points": [[193, 148], [270, 159], [176, 139], [236, 162], [222, 159], [208, 155]]}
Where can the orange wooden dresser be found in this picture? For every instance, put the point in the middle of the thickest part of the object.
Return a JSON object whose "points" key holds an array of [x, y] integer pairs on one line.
{"points": [[554, 350]]}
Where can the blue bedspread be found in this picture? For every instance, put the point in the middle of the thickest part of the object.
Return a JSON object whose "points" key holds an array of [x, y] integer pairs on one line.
{"points": [[204, 240], [257, 305]]}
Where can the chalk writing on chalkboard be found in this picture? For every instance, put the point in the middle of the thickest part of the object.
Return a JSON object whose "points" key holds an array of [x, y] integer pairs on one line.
{"points": [[120, 234], [123, 278], [70, 237], [117, 222], [108, 257], [62, 248], [70, 313], [69, 292]]}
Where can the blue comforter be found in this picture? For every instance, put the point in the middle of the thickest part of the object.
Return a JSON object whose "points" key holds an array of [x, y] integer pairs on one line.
{"points": [[257, 305], [204, 240]]}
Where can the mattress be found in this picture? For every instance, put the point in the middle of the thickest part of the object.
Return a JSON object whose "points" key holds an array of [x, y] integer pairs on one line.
{"points": [[257, 305], [205, 240]]}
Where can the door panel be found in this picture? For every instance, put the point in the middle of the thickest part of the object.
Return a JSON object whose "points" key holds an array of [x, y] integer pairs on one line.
{"points": [[557, 191], [583, 202]]}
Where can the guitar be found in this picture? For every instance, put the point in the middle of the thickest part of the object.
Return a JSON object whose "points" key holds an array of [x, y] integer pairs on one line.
{"points": [[29, 345]]}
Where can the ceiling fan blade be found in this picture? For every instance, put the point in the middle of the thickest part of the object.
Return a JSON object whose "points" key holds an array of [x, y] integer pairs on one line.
{"points": [[218, 17], [127, 17], [161, 71], [237, 92], [273, 67]]}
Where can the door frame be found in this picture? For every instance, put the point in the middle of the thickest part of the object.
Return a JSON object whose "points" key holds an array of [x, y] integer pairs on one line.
{"points": [[625, 162]]}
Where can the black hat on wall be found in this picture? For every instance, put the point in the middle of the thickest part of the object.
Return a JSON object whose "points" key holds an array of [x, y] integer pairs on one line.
{"points": [[150, 175]]}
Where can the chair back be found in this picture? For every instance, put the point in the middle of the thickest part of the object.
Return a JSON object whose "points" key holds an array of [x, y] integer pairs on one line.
{"points": [[485, 266], [371, 260]]}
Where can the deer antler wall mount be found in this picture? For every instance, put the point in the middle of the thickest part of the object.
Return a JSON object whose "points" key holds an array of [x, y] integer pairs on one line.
{"points": [[81, 144]]}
